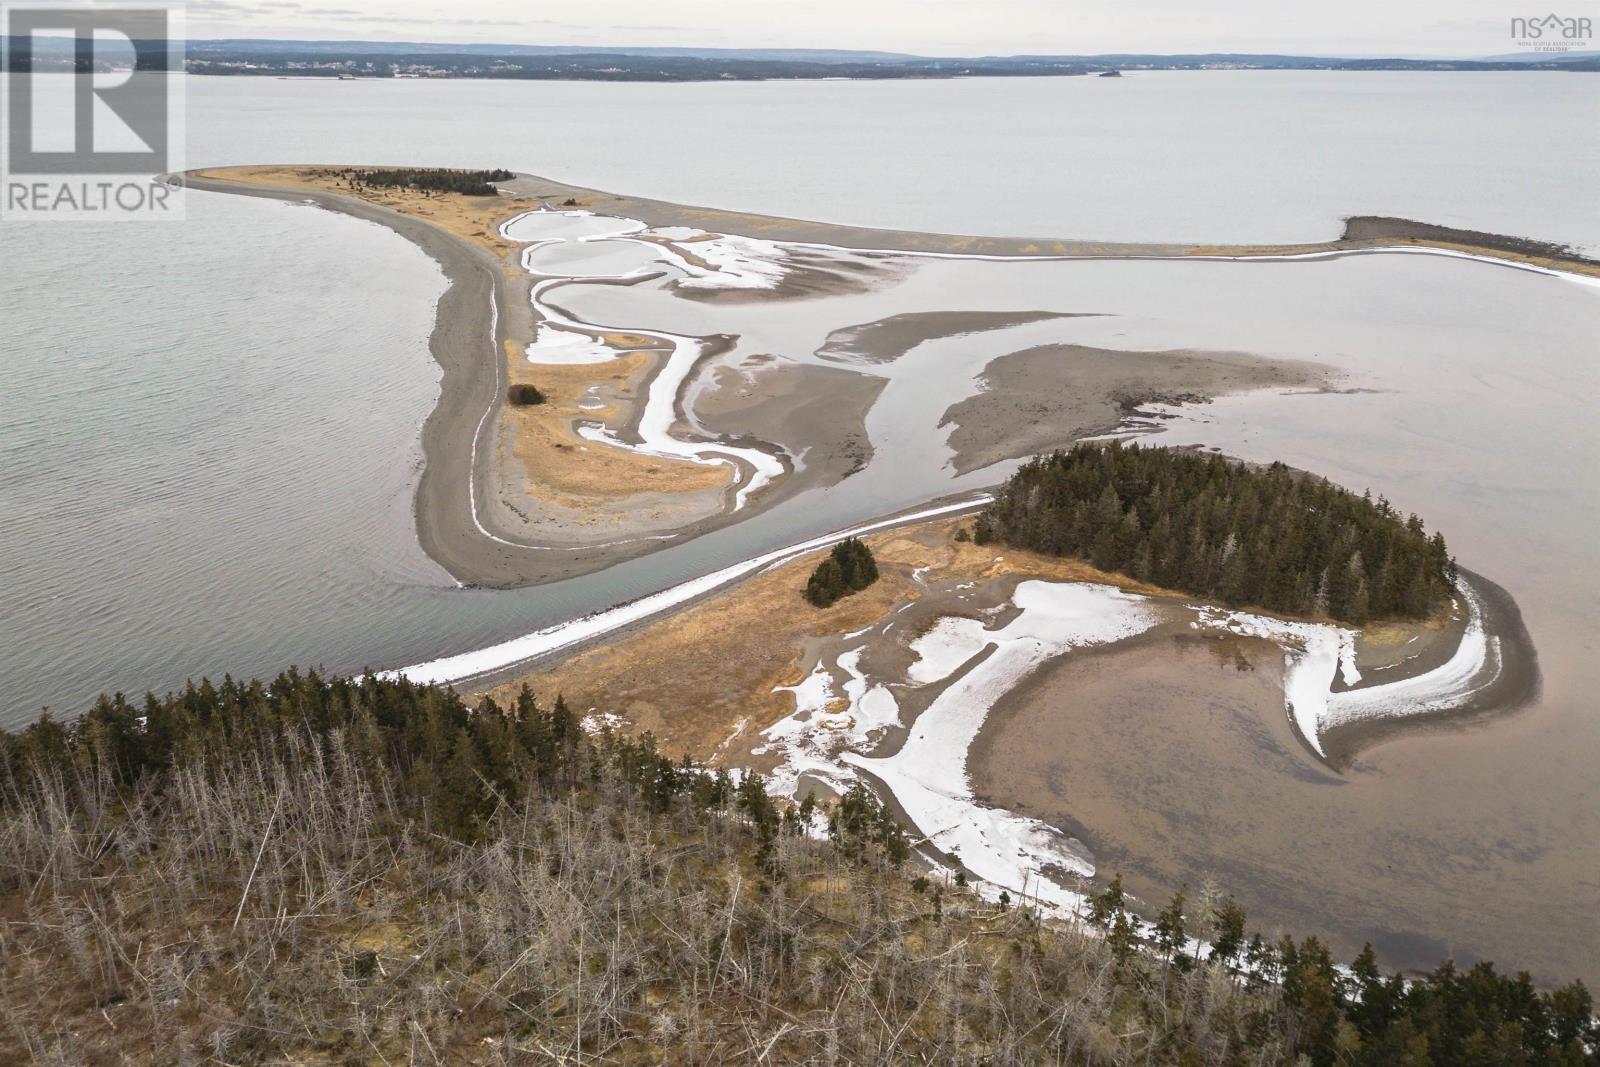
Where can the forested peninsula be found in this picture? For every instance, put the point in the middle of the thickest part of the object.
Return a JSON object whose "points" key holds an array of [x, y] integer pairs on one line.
{"points": [[1218, 528]]}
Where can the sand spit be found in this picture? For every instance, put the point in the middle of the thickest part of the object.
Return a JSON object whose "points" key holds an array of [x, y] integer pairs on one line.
{"points": [[622, 461], [485, 665], [1033, 400], [1362, 234], [914, 722], [1483, 662], [1172, 759], [1509, 680], [599, 473], [888, 339], [479, 306]]}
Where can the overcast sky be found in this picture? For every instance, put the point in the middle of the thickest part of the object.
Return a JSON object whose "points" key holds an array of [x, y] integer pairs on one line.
{"points": [[936, 27]]}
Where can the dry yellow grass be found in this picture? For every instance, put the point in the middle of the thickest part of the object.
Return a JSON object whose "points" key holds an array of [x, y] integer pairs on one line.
{"points": [[473, 218], [563, 468], [699, 677]]}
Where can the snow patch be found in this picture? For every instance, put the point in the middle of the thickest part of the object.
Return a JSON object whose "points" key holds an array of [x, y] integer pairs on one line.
{"points": [[950, 643], [1314, 652], [468, 665], [825, 722], [1473, 666], [556, 346], [736, 263], [928, 775]]}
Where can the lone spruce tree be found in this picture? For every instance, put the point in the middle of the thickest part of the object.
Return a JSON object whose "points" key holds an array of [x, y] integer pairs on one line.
{"points": [[849, 568]]}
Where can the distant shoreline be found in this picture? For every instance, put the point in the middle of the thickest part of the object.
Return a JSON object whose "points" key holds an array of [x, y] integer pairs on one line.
{"points": [[380, 60]]}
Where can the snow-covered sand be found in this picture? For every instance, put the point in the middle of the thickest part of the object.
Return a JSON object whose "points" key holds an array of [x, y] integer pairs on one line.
{"points": [[562, 339], [831, 723], [834, 723], [810, 738], [1474, 666], [469, 665], [1314, 652], [928, 775]]}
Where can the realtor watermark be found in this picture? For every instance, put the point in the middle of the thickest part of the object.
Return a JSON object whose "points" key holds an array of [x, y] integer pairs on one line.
{"points": [[1552, 33], [93, 106]]}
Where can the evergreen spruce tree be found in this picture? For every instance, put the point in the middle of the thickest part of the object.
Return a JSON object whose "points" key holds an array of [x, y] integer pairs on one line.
{"points": [[1107, 903], [847, 569], [1171, 934], [826, 584], [1266, 537], [1228, 940]]}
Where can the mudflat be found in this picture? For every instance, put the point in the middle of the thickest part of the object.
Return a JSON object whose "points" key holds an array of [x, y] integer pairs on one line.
{"points": [[1171, 758], [519, 496], [1033, 400]]}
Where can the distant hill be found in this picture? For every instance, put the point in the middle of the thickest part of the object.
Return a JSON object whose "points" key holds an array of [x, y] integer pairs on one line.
{"points": [[354, 48], [1539, 57], [385, 59]]}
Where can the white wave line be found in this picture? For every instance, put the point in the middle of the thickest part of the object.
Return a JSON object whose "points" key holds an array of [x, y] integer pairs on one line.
{"points": [[477, 435], [469, 665]]}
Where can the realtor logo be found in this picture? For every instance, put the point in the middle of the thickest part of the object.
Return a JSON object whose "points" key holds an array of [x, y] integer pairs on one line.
{"points": [[93, 112], [1552, 33]]}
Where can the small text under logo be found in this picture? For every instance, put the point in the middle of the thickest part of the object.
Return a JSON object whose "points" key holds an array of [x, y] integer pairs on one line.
{"points": [[93, 112]]}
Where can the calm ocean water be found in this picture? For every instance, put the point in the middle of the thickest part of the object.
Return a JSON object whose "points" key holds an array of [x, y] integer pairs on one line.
{"points": [[1236, 156]]}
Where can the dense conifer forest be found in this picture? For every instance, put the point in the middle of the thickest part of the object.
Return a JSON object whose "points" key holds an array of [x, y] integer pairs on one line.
{"points": [[373, 872], [1262, 536], [849, 568], [435, 179]]}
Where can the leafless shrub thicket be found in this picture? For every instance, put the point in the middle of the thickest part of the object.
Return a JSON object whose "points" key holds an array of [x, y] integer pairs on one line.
{"points": [[293, 903], [333, 872]]}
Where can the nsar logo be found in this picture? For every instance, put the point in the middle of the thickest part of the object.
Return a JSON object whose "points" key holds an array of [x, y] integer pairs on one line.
{"points": [[1552, 33]]}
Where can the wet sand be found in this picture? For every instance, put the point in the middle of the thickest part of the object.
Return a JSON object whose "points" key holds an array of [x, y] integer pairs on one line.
{"points": [[1171, 757], [1362, 233], [1040, 398], [816, 413], [479, 512], [467, 501], [1517, 685], [471, 455], [888, 339], [470, 391]]}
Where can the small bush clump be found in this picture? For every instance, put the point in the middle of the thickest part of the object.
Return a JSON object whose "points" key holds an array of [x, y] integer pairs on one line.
{"points": [[849, 568], [524, 395]]}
